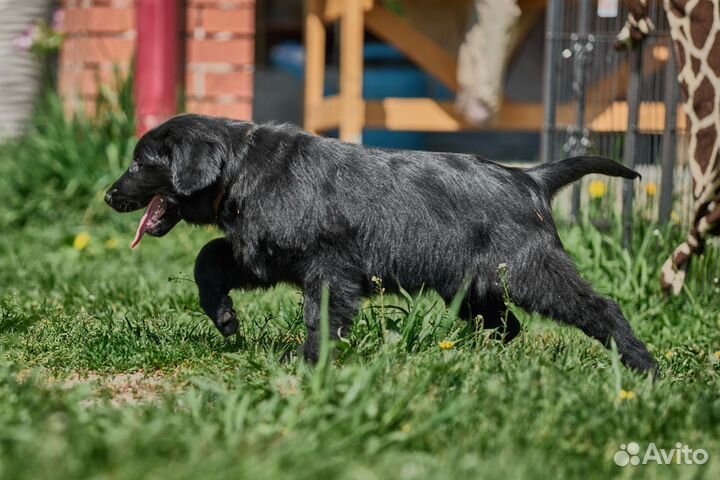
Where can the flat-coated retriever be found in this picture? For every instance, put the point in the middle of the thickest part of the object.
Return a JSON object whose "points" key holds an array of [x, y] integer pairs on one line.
{"points": [[314, 211]]}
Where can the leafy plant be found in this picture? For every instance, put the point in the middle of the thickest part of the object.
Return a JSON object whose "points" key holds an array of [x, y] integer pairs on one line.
{"points": [[64, 161]]}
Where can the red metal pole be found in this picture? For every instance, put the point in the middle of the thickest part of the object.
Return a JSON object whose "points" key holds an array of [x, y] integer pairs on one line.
{"points": [[156, 62]]}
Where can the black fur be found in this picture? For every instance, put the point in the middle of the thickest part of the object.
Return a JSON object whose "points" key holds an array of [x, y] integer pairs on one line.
{"points": [[312, 211]]}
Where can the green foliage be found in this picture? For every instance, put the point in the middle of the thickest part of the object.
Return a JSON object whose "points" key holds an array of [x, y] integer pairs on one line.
{"points": [[62, 163], [75, 324], [108, 368]]}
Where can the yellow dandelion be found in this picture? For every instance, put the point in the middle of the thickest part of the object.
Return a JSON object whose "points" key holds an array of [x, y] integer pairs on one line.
{"points": [[82, 240], [651, 189], [446, 345], [597, 189], [717, 354], [627, 395], [675, 217], [669, 354], [111, 244], [406, 428]]}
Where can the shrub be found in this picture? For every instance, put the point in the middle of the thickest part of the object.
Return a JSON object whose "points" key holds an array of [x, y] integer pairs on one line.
{"points": [[61, 163]]}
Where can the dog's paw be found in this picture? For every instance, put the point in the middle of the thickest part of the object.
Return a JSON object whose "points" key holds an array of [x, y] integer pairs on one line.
{"points": [[227, 322]]}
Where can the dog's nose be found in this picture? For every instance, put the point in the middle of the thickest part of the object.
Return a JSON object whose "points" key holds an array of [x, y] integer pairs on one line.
{"points": [[109, 195]]}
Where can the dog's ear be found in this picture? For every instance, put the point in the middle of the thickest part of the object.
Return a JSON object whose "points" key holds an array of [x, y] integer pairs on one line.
{"points": [[194, 165]]}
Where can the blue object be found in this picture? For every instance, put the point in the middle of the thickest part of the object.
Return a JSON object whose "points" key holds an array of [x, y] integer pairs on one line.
{"points": [[404, 82], [387, 73], [289, 57]]}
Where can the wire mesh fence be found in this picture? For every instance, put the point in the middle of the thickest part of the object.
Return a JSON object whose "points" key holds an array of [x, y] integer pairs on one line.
{"points": [[621, 104]]}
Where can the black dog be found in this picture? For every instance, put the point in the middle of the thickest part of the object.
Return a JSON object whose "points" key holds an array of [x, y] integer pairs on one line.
{"points": [[314, 211]]}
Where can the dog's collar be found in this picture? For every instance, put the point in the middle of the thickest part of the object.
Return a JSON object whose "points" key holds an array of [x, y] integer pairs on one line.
{"points": [[218, 201]]}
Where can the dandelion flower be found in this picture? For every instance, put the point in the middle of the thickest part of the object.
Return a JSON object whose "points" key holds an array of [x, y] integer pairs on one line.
{"points": [[406, 428], [651, 189], [669, 354], [675, 217], [446, 345], [717, 354], [597, 189], [111, 244], [627, 395], [82, 240]]}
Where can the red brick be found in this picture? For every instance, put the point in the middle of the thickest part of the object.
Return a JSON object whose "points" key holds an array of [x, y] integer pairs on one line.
{"points": [[193, 18], [75, 104], [102, 3], [241, 20], [85, 82], [99, 19], [221, 3], [234, 83], [98, 50], [238, 52], [236, 110]]}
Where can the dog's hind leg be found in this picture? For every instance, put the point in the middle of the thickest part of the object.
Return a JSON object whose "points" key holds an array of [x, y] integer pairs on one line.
{"points": [[343, 301], [495, 315], [548, 283], [217, 272]]}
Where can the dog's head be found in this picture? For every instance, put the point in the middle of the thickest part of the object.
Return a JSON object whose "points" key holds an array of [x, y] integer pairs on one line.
{"points": [[175, 174]]}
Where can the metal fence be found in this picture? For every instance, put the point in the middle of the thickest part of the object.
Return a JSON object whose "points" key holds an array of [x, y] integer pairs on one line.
{"points": [[622, 104]]}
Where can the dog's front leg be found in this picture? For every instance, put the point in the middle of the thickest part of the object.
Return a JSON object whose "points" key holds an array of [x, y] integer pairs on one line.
{"points": [[217, 271], [344, 298]]}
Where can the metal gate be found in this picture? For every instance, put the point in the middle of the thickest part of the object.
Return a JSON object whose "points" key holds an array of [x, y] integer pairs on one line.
{"points": [[622, 104]]}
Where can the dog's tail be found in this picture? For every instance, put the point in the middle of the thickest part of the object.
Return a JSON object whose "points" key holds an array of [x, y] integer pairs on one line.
{"points": [[554, 176]]}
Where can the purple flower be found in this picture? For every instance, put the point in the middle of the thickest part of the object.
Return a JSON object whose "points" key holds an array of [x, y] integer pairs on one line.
{"points": [[25, 40], [58, 19]]}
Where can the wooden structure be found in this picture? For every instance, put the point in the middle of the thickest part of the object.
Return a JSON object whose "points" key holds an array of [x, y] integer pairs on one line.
{"points": [[350, 113]]}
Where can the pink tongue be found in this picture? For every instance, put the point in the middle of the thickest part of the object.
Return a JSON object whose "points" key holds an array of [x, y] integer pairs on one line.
{"points": [[149, 213]]}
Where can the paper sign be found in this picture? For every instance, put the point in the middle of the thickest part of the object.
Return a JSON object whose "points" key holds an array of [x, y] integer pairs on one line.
{"points": [[607, 8]]}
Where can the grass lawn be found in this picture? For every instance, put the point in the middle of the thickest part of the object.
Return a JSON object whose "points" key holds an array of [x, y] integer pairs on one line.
{"points": [[108, 368]]}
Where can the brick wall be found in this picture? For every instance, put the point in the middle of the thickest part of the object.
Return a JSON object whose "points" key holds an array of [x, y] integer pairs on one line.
{"points": [[218, 52], [99, 38]]}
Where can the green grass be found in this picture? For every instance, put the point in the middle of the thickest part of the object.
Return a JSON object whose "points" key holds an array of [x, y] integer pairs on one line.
{"points": [[73, 324], [108, 368]]}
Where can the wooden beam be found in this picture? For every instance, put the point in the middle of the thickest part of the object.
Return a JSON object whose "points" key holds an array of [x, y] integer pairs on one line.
{"points": [[315, 39], [532, 4], [419, 48], [428, 115], [324, 115], [651, 118], [351, 71], [332, 9], [530, 14], [600, 93]]}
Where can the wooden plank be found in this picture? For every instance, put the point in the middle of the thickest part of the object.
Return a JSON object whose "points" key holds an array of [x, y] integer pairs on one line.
{"points": [[324, 115], [529, 16], [315, 38], [428, 115], [616, 82], [332, 9], [651, 118], [532, 4], [419, 48], [351, 71]]}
